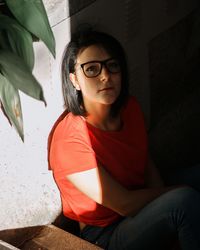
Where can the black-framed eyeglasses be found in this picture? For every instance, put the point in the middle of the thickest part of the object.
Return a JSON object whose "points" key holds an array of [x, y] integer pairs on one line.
{"points": [[94, 68]]}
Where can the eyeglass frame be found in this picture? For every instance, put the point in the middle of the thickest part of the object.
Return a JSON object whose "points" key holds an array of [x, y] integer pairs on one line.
{"points": [[102, 63]]}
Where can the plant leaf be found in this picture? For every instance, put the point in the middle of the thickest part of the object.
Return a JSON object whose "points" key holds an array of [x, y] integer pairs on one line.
{"points": [[19, 75], [10, 100], [32, 15], [20, 40], [4, 43]]}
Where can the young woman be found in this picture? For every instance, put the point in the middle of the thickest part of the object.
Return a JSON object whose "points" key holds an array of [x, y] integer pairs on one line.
{"points": [[100, 160]]}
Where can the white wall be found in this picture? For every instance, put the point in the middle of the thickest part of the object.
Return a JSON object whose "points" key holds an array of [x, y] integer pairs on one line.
{"points": [[28, 194]]}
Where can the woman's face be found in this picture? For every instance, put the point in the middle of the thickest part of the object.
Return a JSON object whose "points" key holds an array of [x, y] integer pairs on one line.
{"points": [[106, 86]]}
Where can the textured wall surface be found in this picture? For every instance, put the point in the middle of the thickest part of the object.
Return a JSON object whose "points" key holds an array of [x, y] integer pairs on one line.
{"points": [[28, 194], [175, 95]]}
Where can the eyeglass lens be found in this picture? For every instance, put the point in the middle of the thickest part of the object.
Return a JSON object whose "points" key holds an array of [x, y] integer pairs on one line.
{"points": [[93, 69]]}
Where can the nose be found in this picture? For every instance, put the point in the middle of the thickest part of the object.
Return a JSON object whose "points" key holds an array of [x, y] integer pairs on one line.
{"points": [[105, 74]]}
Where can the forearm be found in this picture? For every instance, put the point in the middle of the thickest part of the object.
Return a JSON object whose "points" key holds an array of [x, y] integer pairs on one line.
{"points": [[102, 188], [129, 202], [134, 201]]}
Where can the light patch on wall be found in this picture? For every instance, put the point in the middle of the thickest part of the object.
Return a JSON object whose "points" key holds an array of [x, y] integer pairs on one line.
{"points": [[58, 10]]}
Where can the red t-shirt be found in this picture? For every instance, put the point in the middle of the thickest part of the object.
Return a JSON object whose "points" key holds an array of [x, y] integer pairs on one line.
{"points": [[78, 146]]}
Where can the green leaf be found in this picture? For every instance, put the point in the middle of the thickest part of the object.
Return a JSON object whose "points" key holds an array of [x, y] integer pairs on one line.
{"points": [[10, 99], [4, 43], [32, 15], [20, 40], [19, 75]]}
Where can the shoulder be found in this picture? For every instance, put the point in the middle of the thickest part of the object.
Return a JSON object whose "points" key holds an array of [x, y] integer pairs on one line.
{"points": [[70, 148], [69, 125], [132, 112], [132, 105], [67, 128]]}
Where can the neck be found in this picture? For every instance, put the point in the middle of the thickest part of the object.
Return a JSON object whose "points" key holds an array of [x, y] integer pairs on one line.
{"points": [[100, 117]]}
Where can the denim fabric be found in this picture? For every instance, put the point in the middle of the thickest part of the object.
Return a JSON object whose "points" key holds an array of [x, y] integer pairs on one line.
{"points": [[173, 215], [99, 235]]}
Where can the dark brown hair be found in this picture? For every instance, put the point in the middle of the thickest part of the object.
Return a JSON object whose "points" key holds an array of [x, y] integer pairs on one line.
{"points": [[83, 39]]}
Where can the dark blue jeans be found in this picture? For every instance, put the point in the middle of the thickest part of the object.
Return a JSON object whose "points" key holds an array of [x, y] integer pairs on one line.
{"points": [[173, 215]]}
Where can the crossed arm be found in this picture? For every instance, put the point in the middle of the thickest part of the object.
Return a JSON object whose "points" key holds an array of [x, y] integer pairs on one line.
{"points": [[102, 188]]}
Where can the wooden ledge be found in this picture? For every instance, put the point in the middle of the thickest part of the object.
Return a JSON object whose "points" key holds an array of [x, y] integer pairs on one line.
{"points": [[48, 237]]}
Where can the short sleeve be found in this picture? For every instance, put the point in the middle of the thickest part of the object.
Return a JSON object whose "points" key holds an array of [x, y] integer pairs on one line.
{"points": [[71, 150]]}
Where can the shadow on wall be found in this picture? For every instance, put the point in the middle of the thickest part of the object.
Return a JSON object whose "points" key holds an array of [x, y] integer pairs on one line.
{"points": [[175, 96], [76, 5], [175, 92]]}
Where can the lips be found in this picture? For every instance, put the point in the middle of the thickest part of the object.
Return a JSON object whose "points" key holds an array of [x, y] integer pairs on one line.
{"points": [[108, 88]]}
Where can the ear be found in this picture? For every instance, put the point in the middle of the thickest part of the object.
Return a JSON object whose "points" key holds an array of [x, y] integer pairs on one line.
{"points": [[74, 81]]}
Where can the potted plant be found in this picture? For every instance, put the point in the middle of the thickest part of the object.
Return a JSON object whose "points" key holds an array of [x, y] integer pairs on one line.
{"points": [[22, 22]]}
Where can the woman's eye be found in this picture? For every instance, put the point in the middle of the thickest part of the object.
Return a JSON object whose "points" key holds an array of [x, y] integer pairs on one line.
{"points": [[91, 69], [113, 65]]}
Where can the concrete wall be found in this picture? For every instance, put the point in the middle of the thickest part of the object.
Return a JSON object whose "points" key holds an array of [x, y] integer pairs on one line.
{"points": [[28, 194]]}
